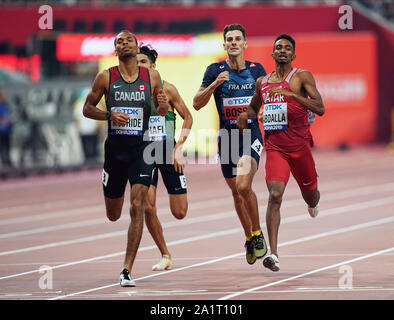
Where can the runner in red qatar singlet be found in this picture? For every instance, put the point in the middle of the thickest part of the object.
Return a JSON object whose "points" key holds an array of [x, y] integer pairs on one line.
{"points": [[285, 121], [283, 100]]}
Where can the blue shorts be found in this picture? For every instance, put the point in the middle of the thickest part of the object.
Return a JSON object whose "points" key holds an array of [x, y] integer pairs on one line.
{"points": [[233, 145]]}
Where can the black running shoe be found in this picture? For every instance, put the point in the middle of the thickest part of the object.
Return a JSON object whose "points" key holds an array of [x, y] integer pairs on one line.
{"points": [[250, 257]]}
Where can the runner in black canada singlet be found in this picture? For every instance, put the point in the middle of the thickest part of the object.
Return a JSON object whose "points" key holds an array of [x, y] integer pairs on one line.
{"points": [[128, 91]]}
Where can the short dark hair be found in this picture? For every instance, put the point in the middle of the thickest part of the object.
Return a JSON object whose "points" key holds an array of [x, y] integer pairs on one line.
{"points": [[149, 52], [127, 31], [231, 27], [287, 37]]}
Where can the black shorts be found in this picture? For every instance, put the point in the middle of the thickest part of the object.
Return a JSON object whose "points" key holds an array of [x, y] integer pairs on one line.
{"points": [[122, 164], [174, 181], [232, 147]]}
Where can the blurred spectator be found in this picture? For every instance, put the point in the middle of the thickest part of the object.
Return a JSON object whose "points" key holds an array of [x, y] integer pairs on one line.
{"points": [[5, 130], [88, 129]]}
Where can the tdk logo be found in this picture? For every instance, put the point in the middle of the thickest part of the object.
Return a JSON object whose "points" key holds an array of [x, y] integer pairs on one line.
{"points": [[154, 120], [273, 107], [128, 111], [239, 101]]}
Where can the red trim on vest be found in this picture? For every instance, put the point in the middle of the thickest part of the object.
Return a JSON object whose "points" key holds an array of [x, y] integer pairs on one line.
{"points": [[114, 74], [144, 75]]}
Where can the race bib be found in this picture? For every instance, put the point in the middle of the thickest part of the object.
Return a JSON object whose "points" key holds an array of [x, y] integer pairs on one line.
{"points": [[233, 107], [275, 116], [135, 124], [311, 117], [157, 128]]}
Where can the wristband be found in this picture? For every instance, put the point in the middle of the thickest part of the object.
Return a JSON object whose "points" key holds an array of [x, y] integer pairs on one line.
{"points": [[108, 115]]}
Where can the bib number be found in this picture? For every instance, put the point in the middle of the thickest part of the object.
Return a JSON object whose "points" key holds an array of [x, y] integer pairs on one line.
{"points": [[275, 116], [233, 107], [135, 124], [157, 128]]}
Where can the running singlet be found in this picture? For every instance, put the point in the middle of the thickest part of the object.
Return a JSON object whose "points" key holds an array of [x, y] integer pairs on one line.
{"points": [[285, 121], [133, 99], [161, 127], [233, 96]]}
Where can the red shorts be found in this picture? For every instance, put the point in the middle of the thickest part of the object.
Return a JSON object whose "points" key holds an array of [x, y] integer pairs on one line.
{"points": [[278, 166]]}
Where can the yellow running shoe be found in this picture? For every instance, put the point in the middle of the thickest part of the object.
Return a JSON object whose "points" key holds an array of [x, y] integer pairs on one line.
{"points": [[259, 246], [250, 257]]}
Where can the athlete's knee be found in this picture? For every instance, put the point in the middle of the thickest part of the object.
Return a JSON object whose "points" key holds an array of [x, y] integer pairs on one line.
{"points": [[113, 215], [149, 208], [275, 196], [243, 189], [179, 211]]}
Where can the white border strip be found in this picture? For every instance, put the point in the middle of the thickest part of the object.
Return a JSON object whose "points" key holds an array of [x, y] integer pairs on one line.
{"points": [[303, 239], [237, 294]]}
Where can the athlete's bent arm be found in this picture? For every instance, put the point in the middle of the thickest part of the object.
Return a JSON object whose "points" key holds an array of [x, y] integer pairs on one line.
{"points": [[159, 97], [90, 109], [203, 95], [252, 109], [179, 105], [314, 102]]}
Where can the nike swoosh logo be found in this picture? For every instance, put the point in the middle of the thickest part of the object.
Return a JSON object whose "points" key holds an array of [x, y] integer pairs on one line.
{"points": [[264, 87], [221, 67], [308, 183], [144, 175], [115, 87]]}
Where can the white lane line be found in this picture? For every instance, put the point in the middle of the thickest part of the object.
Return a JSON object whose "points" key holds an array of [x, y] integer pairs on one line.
{"points": [[172, 243], [329, 196], [237, 294], [287, 243], [188, 221]]}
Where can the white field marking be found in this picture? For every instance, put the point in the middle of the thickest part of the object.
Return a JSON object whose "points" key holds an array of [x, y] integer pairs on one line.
{"points": [[299, 240], [176, 242], [213, 217], [52, 206], [49, 205], [370, 255], [330, 196], [53, 215], [173, 295]]}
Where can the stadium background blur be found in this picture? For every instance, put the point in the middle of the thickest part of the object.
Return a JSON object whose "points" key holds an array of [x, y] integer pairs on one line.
{"points": [[46, 73]]}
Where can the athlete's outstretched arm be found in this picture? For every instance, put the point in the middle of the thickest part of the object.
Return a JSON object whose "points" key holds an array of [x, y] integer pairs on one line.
{"points": [[252, 109], [158, 95], [176, 101], [90, 110], [203, 95]]}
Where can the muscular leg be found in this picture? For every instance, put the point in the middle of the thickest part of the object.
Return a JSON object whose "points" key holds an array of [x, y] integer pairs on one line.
{"points": [[276, 190], [240, 207], [114, 207], [244, 181], [311, 197], [178, 205], [137, 196], [152, 222]]}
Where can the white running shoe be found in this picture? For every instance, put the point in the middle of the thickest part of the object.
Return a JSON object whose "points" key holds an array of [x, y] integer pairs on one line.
{"points": [[313, 212], [164, 264], [125, 280], [272, 263]]}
